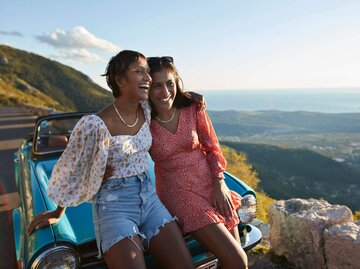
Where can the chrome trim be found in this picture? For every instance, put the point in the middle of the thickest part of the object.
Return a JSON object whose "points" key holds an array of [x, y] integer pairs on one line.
{"points": [[39, 258], [213, 264], [248, 201], [48, 152], [252, 236], [60, 116]]}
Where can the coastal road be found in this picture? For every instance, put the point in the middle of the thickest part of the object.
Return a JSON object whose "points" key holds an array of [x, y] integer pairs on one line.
{"points": [[14, 125]]}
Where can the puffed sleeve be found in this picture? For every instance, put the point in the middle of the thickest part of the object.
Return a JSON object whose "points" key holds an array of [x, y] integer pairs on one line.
{"points": [[209, 144], [78, 174]]}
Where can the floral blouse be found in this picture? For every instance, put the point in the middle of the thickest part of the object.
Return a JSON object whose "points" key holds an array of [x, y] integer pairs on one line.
{"points": [[78, 174]]}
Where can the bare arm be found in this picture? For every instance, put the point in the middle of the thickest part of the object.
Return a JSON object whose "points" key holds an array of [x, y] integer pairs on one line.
{"points": [[45, 219]]}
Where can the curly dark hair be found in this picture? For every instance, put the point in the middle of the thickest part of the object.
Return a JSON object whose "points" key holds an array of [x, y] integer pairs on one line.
{"points": [[117, 66]]}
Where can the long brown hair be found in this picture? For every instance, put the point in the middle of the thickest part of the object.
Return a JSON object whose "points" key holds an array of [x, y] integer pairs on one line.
{"points": [[182, 98]]}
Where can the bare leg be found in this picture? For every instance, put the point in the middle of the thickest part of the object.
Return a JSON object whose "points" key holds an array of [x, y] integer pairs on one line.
{"points": [[125, 254], [169, 248], [218, 240]]}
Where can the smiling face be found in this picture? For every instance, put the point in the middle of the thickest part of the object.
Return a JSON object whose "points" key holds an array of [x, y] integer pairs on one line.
{"points": [[163, 90], [136, 82]]}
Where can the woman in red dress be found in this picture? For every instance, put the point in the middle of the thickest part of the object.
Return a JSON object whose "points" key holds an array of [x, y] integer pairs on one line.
{"points": [[189, 167]]}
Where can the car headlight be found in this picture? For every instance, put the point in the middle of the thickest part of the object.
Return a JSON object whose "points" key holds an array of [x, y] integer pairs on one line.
{"points": [[59, 257], [248, 209]]}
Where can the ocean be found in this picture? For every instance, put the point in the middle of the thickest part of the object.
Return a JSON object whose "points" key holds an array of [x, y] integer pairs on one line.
{"points": [[317, 100]]}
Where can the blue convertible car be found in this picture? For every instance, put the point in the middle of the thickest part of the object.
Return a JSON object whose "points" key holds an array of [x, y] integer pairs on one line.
{"points": [[70, 243]]}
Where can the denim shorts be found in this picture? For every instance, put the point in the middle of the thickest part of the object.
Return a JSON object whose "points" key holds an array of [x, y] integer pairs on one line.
{"points": [[125, 207]]}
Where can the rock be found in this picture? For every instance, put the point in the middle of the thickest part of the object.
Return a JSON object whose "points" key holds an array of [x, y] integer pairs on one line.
{"points": [[263, 227], [342, 246], [297, 226]]}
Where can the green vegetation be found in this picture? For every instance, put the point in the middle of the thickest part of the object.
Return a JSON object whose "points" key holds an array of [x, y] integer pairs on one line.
{"points": [[32, 79], [356, 215], [239, 166], [286, 172], [298, 154]]}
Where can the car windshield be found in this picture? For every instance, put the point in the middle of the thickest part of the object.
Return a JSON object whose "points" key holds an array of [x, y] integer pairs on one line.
{"points": [[53, 134]]}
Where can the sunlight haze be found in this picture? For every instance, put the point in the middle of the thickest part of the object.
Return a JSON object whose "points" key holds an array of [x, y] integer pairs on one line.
{"points": [[215, 44]]}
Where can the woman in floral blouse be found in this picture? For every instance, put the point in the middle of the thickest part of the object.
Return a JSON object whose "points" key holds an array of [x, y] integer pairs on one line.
{"points": [[127, 212], [189, 167]]}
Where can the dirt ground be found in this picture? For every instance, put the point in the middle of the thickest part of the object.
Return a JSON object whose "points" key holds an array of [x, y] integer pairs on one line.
{"points": [[262, 258]]}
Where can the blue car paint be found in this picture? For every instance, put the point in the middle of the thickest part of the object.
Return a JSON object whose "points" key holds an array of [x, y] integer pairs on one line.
{"points": [[75, 228]]}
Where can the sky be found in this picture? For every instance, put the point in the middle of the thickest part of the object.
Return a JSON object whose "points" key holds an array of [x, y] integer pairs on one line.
{"points": [[230, 44]]}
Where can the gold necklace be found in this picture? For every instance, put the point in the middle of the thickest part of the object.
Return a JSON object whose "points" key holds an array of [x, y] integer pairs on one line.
{"points": [[166, 121], [121, 118]]}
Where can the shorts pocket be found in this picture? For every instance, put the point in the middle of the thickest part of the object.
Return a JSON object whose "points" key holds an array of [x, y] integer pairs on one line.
{"points": [[119, 190], [110, 191]]}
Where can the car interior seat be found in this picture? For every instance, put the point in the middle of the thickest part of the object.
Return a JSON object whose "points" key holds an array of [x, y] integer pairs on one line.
{"points": [[57, 142]]}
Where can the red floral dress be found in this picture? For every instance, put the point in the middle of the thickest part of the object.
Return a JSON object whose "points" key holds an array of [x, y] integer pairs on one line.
{"points": [[186, 163]]}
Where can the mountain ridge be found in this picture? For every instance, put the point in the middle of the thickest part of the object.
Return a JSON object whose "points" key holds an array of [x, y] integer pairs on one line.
{"points": [[29, 78], [26, 77], [287, 172]]}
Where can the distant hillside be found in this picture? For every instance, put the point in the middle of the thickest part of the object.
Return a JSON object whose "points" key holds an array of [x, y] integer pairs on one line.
{"points": [[29, 78], [336, 136], [245, 123], [285, 173]]}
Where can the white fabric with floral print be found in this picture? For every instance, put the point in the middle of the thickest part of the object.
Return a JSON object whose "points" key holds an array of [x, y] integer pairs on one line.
{"points": [[78, 174]]}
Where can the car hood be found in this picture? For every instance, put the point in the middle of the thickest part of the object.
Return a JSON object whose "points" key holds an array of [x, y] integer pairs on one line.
{"points": [[76, 225]]}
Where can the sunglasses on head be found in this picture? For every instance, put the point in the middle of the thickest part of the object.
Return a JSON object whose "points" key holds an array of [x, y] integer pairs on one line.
{"points": [[158, 60]]}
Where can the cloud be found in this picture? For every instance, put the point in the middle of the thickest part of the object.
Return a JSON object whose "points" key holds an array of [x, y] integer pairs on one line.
{"points": [[79, 55], [13, 33], [77, 38], [74, 44]]}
